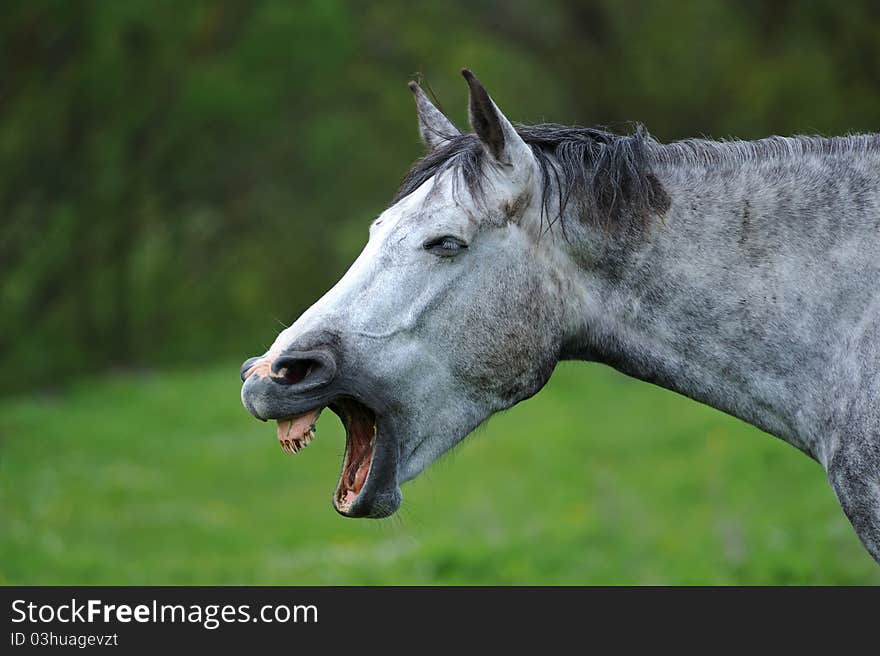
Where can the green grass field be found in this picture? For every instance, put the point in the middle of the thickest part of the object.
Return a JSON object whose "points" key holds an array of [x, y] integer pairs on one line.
{"points": [[164, 479]]}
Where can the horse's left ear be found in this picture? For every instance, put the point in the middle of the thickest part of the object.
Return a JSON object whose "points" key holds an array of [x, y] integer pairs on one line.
{"points": [[497, 133], [436, 130]]}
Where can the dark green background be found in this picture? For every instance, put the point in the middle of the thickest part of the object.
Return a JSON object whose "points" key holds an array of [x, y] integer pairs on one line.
{"points": [[179, 179]]}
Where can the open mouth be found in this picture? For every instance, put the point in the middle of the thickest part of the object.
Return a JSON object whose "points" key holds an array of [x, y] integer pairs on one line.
{"points": [[295, 433]]}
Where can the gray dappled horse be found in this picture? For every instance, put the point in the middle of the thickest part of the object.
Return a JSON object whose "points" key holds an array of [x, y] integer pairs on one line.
{"points": [[744, 275]]}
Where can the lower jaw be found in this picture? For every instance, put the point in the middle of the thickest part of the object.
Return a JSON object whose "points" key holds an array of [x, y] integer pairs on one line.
{"points": [[360, 422], [348, 491], [374, 494], [360, 444]]}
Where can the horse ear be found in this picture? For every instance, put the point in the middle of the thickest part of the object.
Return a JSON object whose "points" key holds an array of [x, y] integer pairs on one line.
{"points": [[495, 131], [435, 128]]}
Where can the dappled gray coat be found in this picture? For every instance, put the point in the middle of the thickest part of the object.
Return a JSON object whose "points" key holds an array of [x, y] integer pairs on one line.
{"points": [[741, 274]]}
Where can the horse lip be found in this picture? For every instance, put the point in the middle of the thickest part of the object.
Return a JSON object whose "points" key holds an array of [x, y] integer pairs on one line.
{"points": [[265, 399]]}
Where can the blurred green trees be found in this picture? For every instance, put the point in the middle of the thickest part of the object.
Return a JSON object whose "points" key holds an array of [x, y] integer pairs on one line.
{"points": [[177, 179]]}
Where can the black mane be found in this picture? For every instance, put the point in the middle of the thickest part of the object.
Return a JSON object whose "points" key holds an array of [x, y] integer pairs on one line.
{"points": [[607, 175]]}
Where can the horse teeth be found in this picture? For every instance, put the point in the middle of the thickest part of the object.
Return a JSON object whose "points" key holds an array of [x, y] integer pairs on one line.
{"points": [[291, 443]]}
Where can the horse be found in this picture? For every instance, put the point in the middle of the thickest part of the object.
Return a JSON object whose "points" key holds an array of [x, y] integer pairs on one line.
{"points": [[741, 274]]}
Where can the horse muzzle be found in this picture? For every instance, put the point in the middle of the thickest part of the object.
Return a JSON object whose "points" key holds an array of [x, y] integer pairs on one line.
{"points": [[293, 387], [279, 385]]}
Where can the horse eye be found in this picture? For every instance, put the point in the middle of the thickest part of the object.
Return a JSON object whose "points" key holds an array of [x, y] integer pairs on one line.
{"points": [[446, 246]]}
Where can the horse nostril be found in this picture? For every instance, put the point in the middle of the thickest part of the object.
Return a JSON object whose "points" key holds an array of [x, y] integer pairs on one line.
{"points": [[291, 370]]}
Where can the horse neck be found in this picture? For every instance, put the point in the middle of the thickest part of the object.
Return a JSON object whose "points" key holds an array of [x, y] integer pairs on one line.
{"points": [[740, 294]]}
